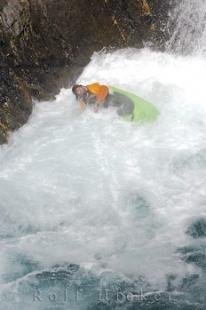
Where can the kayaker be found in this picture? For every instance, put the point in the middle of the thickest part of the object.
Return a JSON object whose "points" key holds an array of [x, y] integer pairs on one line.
{"points": [[129, 106], [100, 96], [95, 94]]}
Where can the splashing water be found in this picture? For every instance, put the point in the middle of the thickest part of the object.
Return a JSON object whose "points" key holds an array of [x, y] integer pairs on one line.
{"points": [[108, 195]]}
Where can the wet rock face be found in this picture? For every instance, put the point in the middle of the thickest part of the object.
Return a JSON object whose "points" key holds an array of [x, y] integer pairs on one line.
{"points": [[15, 95], [15, 102], [44, 43]]}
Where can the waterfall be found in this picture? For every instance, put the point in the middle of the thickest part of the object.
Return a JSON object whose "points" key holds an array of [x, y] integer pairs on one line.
{"points": [[187, 27]]}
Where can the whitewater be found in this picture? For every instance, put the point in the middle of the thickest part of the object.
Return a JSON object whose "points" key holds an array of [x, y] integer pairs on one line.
{"points": [[88, 197], [113, 196]]}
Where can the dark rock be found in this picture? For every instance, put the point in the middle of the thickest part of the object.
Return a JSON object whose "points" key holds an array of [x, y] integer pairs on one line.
{"points": [[45, 43], [197, 229], [159, 23], [15, 102]]}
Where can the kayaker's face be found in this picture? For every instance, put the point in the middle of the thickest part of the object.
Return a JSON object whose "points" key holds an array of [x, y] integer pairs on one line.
{"points": [[80, 91]]}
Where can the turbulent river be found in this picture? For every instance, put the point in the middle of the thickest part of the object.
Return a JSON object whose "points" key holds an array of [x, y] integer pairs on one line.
{"points": [[100, 213]]}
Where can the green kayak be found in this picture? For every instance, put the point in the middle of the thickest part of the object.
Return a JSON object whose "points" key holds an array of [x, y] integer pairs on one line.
{"points": [[132, 107]]}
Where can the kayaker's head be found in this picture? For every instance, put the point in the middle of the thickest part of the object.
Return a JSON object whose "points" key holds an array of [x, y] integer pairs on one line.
{"points": [[79, 90]]}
